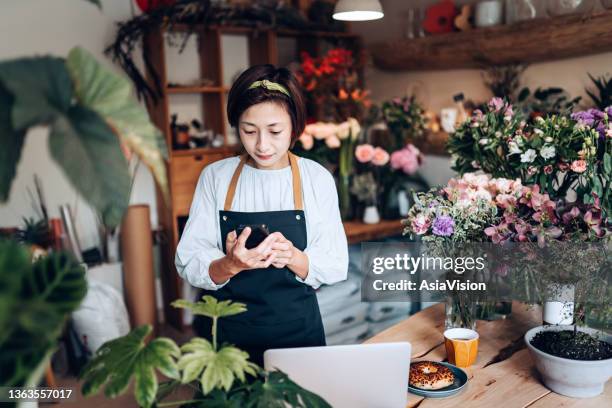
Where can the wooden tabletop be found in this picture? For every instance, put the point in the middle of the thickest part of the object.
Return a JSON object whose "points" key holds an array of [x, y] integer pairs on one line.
{"points": [[357, 231], [504, 374]]}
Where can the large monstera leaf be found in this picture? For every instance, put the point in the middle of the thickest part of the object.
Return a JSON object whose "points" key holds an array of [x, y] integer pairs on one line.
{"points": [[110, 95], [215, 369], [117, 361], [11, 141], [39, 91]]}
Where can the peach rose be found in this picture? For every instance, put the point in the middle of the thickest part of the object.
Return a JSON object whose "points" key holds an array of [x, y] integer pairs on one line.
{"points": [[364, 153], [307, 141], [579, 166], [381, 157], [332, 142]]}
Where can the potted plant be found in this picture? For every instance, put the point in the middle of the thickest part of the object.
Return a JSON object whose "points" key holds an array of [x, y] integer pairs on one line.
{"points": [[576, 362], [220, 375]]}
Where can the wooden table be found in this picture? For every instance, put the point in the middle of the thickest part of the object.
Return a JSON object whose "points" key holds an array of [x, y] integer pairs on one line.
{"points": [[357, 231], [504, 374]]}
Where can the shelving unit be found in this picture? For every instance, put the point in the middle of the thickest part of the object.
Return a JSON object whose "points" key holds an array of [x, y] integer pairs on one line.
{"points": [[541, 39], [184, 166]]}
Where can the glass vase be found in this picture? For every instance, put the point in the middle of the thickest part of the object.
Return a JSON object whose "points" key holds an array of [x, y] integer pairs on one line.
{"points": [[493, 310], [344, 195], [562, 7], [460, 312]]}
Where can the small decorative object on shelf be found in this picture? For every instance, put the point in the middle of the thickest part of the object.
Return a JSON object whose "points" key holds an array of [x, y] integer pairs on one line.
{"points": [[562, 7], [559, 306], [465, 20], [519, 10], [489, 13], [440, 17]]}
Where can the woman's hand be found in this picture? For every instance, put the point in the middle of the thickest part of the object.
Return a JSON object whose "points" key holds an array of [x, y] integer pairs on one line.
{"points": [[238, 258], [287, 255]]}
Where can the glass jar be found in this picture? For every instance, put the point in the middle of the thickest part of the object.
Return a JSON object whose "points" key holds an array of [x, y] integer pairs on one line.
{"points": [[556, 8], [460, 312]]}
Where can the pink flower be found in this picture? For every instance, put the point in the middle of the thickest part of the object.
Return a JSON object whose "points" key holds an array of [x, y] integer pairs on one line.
{"points": [[548, 169], [364, 153], [408, 159], [420, 224], [381, 157], [496, 104], [332, 142], [579, 166], [307, 141]]}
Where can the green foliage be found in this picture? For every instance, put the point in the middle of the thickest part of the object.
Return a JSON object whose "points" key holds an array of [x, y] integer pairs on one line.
{"points": [[211, 307], [34, 301], [88, 110], [215, 369], [117, 361], [545, 101], [109, 95], [602, 96], [218, 376]]}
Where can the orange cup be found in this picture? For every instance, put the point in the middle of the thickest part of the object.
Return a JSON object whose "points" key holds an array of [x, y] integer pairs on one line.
{"points": [[461, 346]]}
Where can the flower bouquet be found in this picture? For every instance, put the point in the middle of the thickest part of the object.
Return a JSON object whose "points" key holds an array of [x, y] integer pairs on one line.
{"points": [[405, 119], [562, 154], [332, 144]]}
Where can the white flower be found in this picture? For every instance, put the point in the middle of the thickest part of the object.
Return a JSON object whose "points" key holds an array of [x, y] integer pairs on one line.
{"points": [[343, 131], [484, 141], [355, 128], [528, 156], [514, 148], [538, 132], [548, 139], [548, 152]]}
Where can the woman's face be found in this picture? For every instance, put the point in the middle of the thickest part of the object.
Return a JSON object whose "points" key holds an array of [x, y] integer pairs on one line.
{"points": [[265, 132]]}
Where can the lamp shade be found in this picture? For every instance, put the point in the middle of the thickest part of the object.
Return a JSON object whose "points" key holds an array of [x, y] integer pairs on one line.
{"points": [[358, 10]]}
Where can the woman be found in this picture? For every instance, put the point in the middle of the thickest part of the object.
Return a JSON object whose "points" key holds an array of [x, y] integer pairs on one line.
{"points": [[296, 200]]}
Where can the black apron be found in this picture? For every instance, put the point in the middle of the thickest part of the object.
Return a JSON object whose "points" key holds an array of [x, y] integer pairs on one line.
{"points": [[281, 311]]}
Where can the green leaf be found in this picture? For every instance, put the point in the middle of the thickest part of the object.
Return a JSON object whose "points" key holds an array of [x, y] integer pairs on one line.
{"points": [[90, 155], [11, 142], [279, 390], [215, 369], [41, 87], [607, 161], [110, 96], [597, 187], [211, 307], [118, 360]]}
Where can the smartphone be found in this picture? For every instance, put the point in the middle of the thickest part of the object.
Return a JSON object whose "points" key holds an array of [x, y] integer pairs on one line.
{"points": [[259, 232]]}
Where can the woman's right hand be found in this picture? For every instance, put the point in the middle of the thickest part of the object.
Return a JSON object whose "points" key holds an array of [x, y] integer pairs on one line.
{"points": [[240, 258]]}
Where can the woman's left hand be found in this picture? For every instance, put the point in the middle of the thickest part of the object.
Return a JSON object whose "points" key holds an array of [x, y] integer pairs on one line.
{"points": [[283, 249]]}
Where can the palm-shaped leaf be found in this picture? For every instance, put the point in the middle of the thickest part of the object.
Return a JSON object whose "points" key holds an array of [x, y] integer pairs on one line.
{"points": [[109, 95], [117, 361], [215, 369], [279, 391], [211, 307]]}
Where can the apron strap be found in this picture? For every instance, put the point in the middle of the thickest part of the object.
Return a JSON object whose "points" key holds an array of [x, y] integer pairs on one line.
{"points": [[295, 173]]}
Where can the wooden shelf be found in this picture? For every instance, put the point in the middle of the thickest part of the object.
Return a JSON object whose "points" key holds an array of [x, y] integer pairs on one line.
{"points": [[541, 39], [281, 32], [357, 231], [195, 89]]}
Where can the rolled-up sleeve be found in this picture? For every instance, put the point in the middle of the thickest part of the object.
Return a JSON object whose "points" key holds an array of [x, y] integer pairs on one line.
{"points": [[198, 247], [327, 248]]}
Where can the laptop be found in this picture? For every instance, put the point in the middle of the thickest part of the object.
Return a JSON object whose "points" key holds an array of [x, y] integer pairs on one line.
{"points": [[353, 376]]}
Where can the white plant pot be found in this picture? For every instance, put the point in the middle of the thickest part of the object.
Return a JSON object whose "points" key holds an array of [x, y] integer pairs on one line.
{"points": [[371, 216], [559, 310], [573, 378]]}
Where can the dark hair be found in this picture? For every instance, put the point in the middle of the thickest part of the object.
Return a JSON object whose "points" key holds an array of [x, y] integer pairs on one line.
{"points": [[241, 97]]}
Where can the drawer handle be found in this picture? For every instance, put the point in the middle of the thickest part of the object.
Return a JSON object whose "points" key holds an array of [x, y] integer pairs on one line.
{"points": [[198, 157]]}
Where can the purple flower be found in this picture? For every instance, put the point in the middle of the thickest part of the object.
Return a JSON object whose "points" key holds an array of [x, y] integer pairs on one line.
{"points": [[584, 117], [609, 112], [443, 226]]}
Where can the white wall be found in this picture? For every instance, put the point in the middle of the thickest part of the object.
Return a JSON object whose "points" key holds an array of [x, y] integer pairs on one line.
{"points": [[438, 87]]}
